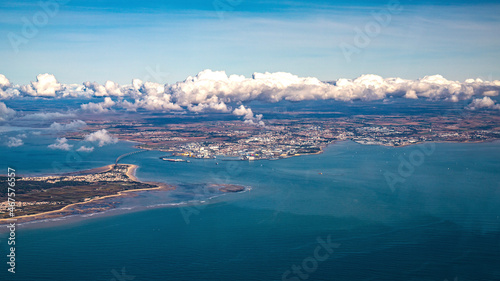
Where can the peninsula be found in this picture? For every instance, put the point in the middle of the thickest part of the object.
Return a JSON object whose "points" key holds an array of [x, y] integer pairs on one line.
{"points": [[76, 193]]}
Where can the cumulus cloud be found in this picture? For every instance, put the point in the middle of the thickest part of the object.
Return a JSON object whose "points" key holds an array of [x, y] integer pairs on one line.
{"points": [[140, 88], [73, 125], [274, 87], [102, 137], [4, 87], [5, 112], [484, 103], [160, 103], [411, 94], [212, 104], [85, 149], [14, 142], [490, 93], [248, 115], [46, 85], [109, 88], [61, 144], [98, 107], [216, 91], [74, 91], [4, 82]]}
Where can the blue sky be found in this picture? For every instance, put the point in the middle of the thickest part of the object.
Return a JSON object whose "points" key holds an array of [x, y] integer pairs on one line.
{"points": [[166, 41]]}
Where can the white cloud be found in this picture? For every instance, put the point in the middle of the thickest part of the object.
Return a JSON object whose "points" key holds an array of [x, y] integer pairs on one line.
{"points": [[102, 137], [245, 112], [160, 103], [98, 107], [4, 82], [75, 91], [140, 88], [5, 88], [14, 142], [85, 149], [486, 103], [73, 125], [62, 144], [411, 94], [5, 112], [248, 115], [212, 104], [215, 90], [274, 87], [109, 88], [491, 93], [46, 85]]}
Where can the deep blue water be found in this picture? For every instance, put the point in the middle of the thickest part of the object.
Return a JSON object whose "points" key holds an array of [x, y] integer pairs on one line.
{"points": [[441, 222]]}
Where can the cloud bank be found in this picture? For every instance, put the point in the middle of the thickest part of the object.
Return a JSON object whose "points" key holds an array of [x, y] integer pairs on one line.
{"points": [[214, 91], [211, 89]]}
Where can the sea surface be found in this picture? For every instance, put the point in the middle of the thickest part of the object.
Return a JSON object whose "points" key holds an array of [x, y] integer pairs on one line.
{"points": [[355, 212]]}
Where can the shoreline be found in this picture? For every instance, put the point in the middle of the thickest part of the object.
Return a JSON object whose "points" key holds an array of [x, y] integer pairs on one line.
{"points": [[138, 146], [131, 173], [63, 212]]}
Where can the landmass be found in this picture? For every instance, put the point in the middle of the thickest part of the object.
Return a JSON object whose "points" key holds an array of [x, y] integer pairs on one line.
{"points": [[293, 136], [76, 193], [230, 188]]}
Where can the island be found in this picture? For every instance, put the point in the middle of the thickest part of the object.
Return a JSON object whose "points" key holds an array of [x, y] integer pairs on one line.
{"points": [[230, 188]]}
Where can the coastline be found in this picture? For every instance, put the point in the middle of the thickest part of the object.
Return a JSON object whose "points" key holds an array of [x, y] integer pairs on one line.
{"points": [[71, 210], [322, 149]]}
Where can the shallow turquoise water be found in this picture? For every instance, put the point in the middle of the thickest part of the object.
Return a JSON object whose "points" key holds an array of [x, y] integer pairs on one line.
{"points": [[441, 223]]}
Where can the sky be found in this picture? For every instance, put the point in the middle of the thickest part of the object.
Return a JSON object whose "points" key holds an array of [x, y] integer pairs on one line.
{"points": [[167, 41]]}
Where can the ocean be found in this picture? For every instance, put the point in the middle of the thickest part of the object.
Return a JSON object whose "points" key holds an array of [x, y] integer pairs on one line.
{"points": [[355, 212]]}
